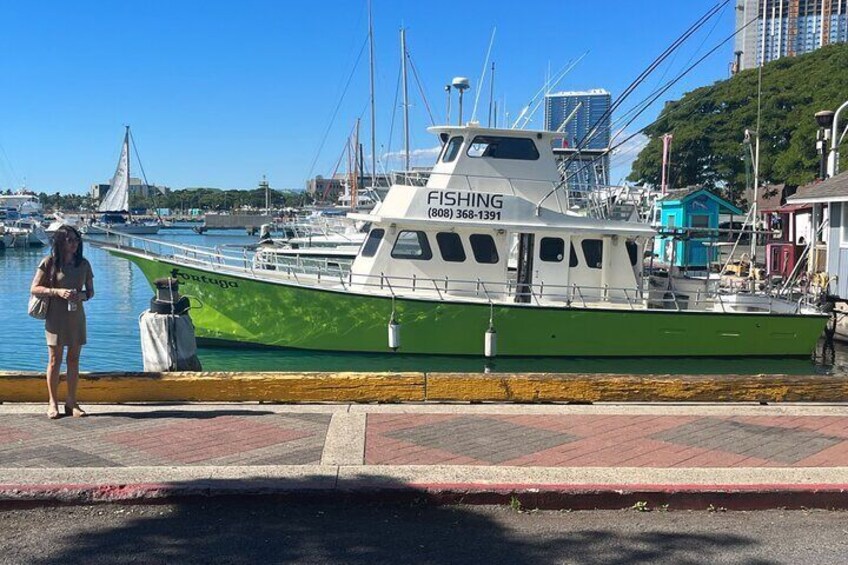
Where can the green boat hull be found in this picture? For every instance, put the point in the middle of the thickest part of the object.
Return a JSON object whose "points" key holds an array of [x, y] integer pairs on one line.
{"points": [[245, 310]]}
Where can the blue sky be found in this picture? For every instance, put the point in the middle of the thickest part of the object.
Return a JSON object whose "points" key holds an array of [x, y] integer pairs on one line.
{"points": [[220, 93]]}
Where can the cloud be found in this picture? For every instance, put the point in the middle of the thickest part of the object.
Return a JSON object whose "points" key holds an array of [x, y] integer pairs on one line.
{"points": [[621, 161], [417, 157]]}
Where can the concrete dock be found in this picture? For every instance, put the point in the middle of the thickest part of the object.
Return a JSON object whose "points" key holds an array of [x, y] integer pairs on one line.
{"points": [[551, 455]]}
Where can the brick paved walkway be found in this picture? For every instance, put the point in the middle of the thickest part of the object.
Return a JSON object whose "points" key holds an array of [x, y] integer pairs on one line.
{"points": [[163, 437], [565, 437], [607, 440]]}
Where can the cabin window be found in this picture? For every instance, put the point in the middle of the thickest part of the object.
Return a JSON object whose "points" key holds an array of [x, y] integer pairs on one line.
{"points": [[632, 251], [593, 252], [484, 248], [700, 221], [369, 249], [443, 141], [844, 227], [412, 245], [552, 249], [495, 147], [452, 149], [572, 259], [450, 246]]}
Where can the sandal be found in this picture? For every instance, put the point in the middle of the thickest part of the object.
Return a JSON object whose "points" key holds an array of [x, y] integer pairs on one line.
{"points": [[53, 412], [75, 411]]}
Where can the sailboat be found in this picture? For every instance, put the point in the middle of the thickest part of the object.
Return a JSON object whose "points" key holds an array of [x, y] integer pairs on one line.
{"points": [[115, 206]]}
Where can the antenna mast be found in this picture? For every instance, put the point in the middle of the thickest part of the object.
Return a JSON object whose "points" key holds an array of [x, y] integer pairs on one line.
{"points": [[492, 95]]}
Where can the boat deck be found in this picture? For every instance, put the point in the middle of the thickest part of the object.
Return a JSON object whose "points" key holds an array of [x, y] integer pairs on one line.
{"points": [[328, 274]]}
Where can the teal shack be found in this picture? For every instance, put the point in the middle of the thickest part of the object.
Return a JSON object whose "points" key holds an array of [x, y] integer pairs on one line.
{"points": [[689, 227]]}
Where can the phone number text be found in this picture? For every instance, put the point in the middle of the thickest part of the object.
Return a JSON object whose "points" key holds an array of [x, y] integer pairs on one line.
{"points": [[464, 214]]}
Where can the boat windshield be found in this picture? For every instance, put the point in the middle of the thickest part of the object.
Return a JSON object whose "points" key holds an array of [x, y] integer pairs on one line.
{"points": [[496, 147], [452, 149]]}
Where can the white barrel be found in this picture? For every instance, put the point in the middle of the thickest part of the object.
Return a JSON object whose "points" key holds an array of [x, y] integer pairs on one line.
{"points": [[394, 335], [490, 343]]}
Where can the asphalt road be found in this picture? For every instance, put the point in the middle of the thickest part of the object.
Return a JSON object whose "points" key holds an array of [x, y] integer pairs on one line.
{"points": [[233, 530]]}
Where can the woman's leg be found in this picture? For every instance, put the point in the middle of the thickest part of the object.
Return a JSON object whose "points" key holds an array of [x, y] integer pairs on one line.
{"points": [[54, 364], [73, 374]]}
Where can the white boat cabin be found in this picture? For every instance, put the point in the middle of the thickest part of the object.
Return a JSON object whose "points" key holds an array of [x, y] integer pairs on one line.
{"points": [[493, 222]]}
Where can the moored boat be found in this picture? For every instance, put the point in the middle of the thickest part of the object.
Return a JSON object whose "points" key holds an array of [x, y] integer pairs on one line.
{"points": [[114, 209], [434, 275], [24, 232]]}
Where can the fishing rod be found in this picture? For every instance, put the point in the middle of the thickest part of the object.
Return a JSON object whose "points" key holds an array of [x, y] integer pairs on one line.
{"points": [[663, 90], [629, 90], [645, 73], [552, 85], [553, 80], [483, 75]]}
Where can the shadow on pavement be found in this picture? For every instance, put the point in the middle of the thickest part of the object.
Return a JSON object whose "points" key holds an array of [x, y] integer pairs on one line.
{"points": [[192, 414], [349, 528]]}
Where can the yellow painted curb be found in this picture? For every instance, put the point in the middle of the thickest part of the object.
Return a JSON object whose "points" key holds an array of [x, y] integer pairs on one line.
{"points": [[224, 387], [550, 387], [435, 387]]}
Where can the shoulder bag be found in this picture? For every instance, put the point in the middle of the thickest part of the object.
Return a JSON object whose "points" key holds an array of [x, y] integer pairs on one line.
{"points": [[38, 305]]}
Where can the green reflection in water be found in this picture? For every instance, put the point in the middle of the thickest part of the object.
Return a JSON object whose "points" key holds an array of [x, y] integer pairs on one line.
{"points": [[218, 358]]}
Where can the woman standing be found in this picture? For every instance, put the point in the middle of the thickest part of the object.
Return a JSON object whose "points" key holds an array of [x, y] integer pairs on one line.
{"points": [[65, 277]]}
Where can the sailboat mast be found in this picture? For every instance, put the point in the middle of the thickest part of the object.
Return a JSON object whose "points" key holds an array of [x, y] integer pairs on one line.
{"points": [[373, 112], [405, 100], [357, 168], [127, 145]]}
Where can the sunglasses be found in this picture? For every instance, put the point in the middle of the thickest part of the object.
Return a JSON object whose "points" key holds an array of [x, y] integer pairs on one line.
{"points": [[72, 240]]}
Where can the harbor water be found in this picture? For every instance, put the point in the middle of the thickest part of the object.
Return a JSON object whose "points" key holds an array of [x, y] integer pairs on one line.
{"points": [[122, 294]]}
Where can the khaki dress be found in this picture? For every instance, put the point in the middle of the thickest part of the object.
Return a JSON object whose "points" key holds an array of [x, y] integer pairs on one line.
{"points": [[61, 326]]}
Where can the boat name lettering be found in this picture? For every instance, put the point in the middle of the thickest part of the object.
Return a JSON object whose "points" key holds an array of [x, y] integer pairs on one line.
{"points": [[175, 273], [456, 198]]}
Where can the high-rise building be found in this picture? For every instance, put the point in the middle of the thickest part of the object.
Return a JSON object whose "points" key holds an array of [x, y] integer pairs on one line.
{"points": [[785, 28], [577, 114], [584, 119]]}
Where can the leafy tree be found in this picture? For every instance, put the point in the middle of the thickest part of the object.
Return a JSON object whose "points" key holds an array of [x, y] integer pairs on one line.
{"points": [[708, 125], [213, 199]]}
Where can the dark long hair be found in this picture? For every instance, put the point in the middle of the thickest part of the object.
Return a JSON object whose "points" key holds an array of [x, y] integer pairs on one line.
{"points": [[62, 234]]}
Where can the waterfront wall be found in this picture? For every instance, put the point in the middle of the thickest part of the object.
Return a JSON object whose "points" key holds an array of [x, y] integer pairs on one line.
{"points": [[432, 387]]}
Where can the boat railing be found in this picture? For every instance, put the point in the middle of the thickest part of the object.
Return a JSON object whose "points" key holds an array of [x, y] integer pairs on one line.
{"points": [[327, 273]]}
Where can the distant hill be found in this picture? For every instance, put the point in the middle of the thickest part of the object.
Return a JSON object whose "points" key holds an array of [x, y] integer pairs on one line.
{"points": [[709, 123]]}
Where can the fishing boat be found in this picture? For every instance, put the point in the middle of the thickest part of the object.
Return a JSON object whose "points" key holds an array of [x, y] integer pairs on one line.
{"points": [[114, 209], [433, 275]]}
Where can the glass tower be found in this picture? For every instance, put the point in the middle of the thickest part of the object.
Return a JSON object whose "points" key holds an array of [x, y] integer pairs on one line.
{"points": [[786, 27], [584, 120]]}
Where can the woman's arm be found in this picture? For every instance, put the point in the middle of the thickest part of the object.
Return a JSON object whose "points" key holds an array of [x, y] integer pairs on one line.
{"points": [[89, 284], [39, 286]]}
